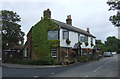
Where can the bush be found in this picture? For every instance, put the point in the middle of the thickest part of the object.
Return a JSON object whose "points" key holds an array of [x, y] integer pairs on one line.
{"points": [[47, 61], [84, 58], [88, 57], [44, 61], [81, 59], [95, 57], [66, 61], [91, 57]]}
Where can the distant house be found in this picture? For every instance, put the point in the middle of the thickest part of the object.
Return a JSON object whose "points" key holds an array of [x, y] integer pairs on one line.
{"points": [[12, 54], [50, 37], [9, 56]]}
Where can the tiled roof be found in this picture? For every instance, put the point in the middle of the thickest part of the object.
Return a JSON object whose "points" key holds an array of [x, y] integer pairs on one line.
{"points": [[72, 28]]}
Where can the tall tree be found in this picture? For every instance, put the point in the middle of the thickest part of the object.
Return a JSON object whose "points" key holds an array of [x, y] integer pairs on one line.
{"points": [[115, 19], [101, 45], [115, 5], [11, 33], [112, 43]]}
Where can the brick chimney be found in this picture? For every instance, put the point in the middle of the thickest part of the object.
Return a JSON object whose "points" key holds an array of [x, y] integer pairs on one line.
{"points": [[47, 13], [69, 20], [88, 30]]}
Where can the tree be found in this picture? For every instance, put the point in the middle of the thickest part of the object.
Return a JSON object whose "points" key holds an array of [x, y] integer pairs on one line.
{"points": [[101, 45], [115, 5], [11, 33], [112, 43]]}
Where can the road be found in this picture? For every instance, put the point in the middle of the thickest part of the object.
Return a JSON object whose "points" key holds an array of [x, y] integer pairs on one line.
{"points": [[106, 67]]}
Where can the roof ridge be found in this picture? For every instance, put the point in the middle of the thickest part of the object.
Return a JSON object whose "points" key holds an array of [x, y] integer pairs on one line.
{"points": [[70, 27]]}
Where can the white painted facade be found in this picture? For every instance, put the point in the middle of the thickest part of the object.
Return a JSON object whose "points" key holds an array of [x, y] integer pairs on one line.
{"points": [[73, 37], [118, 32]]}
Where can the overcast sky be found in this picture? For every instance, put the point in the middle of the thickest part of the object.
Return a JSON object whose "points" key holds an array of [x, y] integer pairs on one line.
{"points": [[91, 14]]}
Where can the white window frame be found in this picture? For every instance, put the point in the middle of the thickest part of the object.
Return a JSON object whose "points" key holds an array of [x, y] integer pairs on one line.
{"points": [[55, 51], [64, 30], [25, 53]]}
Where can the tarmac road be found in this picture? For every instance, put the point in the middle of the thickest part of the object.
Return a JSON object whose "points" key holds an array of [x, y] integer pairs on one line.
{"points": [[106, 67]]}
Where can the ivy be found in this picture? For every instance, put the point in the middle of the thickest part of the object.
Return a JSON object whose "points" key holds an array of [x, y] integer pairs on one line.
{"points": [[40, 43], [54, 43]]}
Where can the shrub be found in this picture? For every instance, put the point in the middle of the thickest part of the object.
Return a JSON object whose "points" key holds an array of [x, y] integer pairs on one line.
{"points": [[48, 61], [88, 58], [84, 58], [66, 61], [92, 56], [81, 58], [44, 61]]}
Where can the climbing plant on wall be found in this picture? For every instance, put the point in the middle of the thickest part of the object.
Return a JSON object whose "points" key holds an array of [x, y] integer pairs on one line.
{"points": [[40, 43]]}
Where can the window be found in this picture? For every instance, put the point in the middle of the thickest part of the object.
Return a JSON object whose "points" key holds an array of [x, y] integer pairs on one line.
{"points": [[91, 42], [65, 34], [78, 37], [53, 35], [86, 38], [83, 38], [54, 52], [25, 53]]}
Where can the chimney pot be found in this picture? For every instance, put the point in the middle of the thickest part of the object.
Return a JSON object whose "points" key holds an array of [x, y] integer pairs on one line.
{"points": [[69, 20], [69, 17], [88, 30], [47, 13]]}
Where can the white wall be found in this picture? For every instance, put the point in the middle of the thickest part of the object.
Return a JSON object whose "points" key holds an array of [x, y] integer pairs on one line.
{"points": [[89, 41], [118, 32], [73, 37]]}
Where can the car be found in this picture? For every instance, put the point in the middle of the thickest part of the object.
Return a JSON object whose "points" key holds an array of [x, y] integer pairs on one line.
{"points": [[114, 53], [108, 54]]}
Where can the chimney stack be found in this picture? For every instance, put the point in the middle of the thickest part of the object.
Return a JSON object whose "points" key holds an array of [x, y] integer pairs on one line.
{"points": [[69, 20], [88, 30], [47, 13]]}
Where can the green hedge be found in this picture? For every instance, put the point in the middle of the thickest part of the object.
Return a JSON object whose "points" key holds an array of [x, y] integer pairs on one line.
{"points": [[85, 58], [44, 61]]}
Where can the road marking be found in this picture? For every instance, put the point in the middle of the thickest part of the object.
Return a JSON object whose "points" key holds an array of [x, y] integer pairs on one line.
{"points": [[35, 76], [52, 73], [53, 66], [101, 66], [98, 68], [86, 75]]}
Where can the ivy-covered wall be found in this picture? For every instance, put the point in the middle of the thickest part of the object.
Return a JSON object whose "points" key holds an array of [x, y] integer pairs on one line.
{"points": [[40, 43]]}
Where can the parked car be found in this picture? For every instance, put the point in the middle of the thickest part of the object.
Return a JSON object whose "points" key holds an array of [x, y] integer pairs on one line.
{"points": [[108, 54], [114, 53]]}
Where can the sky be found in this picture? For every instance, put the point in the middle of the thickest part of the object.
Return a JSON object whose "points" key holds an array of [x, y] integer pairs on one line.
{"points": [[92, 14]]}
